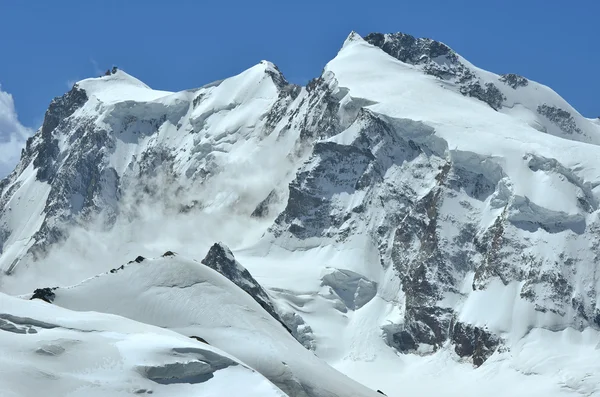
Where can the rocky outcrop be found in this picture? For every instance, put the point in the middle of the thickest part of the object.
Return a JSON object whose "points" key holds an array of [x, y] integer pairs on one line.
{"points": [[221, 259], [262, 209], [514, 81], [45, 294], [474, 342], [439, 60], [365, 181], [58, 112], [561, 118], [408, 49], [487, 93]]}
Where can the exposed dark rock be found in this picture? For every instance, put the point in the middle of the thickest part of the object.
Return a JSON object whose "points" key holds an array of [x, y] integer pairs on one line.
{"points": [[198, 99], [597, 318], [168, 253], [490, 94], [404, 341], [380, 392], [59, 109], [139, 259], [409, 49], [301, 331], [119, 268], [322, 119], [221, 259], [199, 339], [561, 118], [45, 294], [475, 342], [514, 80], [186, 208], [262, 209], [493, 263], [26, 322], [437, 59], [428, 325], [339, 168], [277, 77]]}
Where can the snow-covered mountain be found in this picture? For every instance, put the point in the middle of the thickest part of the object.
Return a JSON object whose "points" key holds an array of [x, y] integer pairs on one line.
{"points": [[404, 214]]}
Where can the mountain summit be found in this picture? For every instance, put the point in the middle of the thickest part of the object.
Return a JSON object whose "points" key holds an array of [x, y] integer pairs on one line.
{"points": [[408, 216]]}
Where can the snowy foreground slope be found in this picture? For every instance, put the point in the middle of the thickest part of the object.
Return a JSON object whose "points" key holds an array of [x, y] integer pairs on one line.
{"points": [[57, 352], [408, 219], [196, 301]]}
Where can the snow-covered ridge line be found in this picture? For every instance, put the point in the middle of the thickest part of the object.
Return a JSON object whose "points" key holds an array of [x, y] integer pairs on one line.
{"points": [[533, 103], [194, 300], [63, 352]]}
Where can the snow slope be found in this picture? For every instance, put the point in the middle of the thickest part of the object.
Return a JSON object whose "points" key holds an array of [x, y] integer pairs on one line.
{"points": [[119, 87], [58, 352], [194, 300]]}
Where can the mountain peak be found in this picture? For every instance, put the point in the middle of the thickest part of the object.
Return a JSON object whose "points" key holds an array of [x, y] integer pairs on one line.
{"points": [[276, 75], [119, 86], [352, 37]]}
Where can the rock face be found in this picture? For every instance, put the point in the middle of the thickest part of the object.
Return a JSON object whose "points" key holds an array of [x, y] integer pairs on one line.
{"points": [[514, 80], [560, 117], [45, 294], [439, 60], [221, 259], [471, 341], [422, 207]]}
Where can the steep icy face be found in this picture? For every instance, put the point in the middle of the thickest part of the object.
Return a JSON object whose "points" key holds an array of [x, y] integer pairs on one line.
{"points": [[69, 353], [529, 101], [112, 145], [114, 135], [196, 301], [473, 229]]}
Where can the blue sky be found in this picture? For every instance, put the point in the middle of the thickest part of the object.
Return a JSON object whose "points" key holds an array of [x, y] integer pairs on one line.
{"points": [[46, 46]]}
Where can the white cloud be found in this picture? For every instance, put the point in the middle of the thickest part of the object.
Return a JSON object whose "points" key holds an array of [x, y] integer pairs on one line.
{"points": [[97, 70], [12, 134]]}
